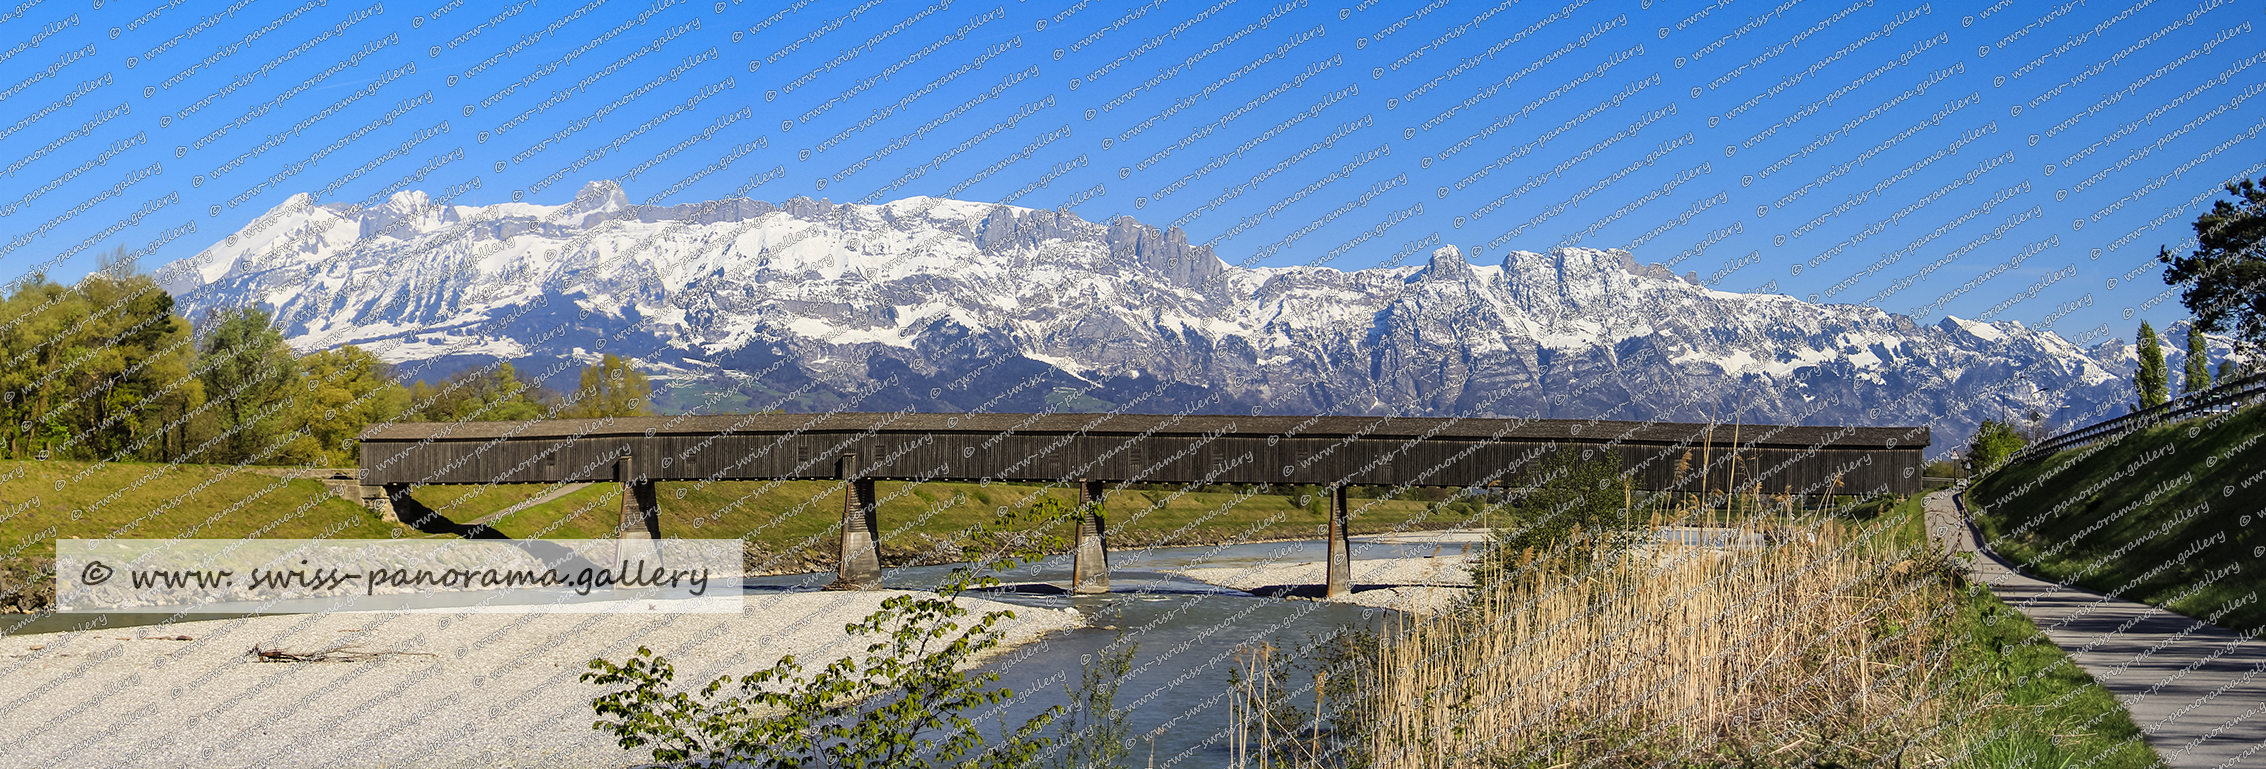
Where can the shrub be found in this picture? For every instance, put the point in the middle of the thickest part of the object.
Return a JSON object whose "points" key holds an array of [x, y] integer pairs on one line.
{"points": [[904, 705], [1572, 501]]}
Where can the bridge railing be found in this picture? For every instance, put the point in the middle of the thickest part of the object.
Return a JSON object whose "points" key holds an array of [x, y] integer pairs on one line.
{"points": [[2230, 394]]}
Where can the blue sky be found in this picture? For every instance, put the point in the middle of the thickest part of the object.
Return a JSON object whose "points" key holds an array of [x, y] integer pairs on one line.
{"points": [[2018, 160]]}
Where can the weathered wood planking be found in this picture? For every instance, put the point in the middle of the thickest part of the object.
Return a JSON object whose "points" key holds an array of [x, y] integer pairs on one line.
{"points": [[1140, 448]]}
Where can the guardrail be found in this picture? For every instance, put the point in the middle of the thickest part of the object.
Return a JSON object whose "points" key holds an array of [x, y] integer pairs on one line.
{"points": [[2233, 393]]}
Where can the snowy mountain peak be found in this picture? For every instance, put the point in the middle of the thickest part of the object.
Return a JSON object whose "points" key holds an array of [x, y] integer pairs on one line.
{"points": [[1447, 264], [1167, 252], [1981, 332], [387, 219], [602, 196]]}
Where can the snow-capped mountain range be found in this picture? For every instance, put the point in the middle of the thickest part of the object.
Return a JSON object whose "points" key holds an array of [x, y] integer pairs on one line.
{"points": [[945, 305]]}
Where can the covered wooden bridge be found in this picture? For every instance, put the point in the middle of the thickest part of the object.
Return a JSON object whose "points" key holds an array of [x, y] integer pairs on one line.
{"points": [[1090, 451]]}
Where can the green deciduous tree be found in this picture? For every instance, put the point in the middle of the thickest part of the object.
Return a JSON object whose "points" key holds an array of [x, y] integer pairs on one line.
{"points": [[2198, 374], [1994, 441], [491, 393], [611, 389], [2151, 379], [87, 370], [250, 374], [2226, 274], [345, 391]]}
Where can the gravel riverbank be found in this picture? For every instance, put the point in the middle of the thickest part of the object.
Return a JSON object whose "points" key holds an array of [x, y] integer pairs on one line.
{"points": [[1416, 585], [440, 689]]}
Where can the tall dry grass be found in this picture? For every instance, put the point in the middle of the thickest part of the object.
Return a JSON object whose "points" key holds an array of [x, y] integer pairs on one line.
{"points": [[1818, 648]]}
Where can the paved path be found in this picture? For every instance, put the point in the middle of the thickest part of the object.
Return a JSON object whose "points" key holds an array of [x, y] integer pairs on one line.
{"points": [[2196, 689]]}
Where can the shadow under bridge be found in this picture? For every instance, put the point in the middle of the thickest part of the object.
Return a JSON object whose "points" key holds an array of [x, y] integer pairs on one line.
{"points": [[1089, 451]]}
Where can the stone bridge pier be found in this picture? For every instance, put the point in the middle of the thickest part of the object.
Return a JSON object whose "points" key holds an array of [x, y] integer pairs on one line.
{"points": [[860, 565], [1339, 581], [1089, 561]]}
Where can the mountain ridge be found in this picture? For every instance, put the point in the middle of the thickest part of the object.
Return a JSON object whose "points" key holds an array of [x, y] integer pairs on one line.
{"points": [[964, 303]]}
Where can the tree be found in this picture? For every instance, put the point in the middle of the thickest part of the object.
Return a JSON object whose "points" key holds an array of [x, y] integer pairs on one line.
{"points": [[491, 393], [1092, 733], [2226, 274], [2152, 379], [249, 374], [87, 370], [347, 390], [611, 389], [1993, 443], [2198, 375], [117, 264], [2227, 369]]}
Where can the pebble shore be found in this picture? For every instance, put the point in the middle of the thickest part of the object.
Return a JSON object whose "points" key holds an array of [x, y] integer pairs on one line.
{"points": [[431, 689]]}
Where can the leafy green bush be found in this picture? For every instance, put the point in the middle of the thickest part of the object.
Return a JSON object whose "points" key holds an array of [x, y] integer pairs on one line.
{"points": [[1092, 734], [1572, 500], [904, 705]]}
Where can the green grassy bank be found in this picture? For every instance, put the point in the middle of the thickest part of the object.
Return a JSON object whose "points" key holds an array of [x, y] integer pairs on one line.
{"points": [[43, 501], [791, 511], [2163, 516]]}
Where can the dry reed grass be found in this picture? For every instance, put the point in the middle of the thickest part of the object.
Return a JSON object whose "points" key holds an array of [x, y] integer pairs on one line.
{"points": [[1818, 648]]}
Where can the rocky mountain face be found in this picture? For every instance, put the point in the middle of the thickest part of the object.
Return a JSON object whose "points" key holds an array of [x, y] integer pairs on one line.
{"points": [[943, 305]]}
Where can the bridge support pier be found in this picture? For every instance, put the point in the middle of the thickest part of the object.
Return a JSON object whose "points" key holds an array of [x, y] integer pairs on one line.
{"points": [[641, 506], [1089, 564], [1340, 577], [860, 565], [379, 499]]}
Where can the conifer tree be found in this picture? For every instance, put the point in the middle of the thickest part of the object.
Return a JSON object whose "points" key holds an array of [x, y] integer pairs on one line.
{"points": [[2198, 363], [2151, 379]]}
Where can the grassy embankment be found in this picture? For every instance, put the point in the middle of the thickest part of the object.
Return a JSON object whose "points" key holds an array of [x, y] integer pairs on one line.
{"points": [[1862, 648], [44, 501], [791, 525], [798, 521], [2158, 517]]}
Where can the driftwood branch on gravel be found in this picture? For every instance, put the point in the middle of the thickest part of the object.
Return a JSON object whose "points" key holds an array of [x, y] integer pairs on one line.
{"points": [[333, 654]]}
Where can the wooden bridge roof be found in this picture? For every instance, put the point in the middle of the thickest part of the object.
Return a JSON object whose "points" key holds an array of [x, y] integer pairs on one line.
{"points": [[1306, 426]]}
